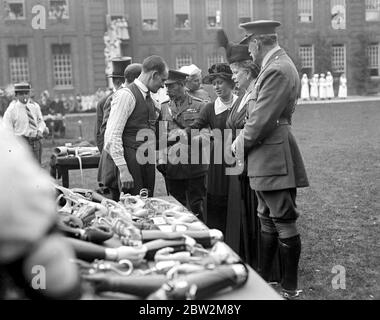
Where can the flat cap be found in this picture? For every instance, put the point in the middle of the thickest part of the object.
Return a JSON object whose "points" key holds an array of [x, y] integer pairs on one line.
{"points": [[258, 28], [175, 76]]}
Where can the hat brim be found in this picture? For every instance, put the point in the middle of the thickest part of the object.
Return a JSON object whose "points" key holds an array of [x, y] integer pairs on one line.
{"points": [[167, 82], [211, 77], [245, 40], [115, 76]]}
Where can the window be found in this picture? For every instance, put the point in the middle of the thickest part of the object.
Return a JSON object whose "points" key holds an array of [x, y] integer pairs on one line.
{"points": [[14, 9], [116, 9], [59, 9], [338, 14], [215, 58], [244, 11], [18, 63], [306, 54], [305, 10], [149, 14], [214, 13], [373, 59], [339, 59], [181, 61], [182, 14], [372, 10], [62, 66]]}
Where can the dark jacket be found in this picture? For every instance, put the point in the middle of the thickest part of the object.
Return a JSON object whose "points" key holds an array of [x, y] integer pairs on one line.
{"points": [[274, 159]]}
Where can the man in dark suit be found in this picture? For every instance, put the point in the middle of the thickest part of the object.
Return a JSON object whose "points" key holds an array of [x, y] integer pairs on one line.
{"points": [[275, 165]]}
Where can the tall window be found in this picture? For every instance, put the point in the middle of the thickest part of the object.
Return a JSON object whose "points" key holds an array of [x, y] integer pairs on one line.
{"points": [[182, 14], [306, 54], [214, 13], [184, 60], [62, 65], [373, 59], [116, 9], [14, 9], [305, 10], [59, 9], [244, 11], [338, 14], [215, 58], [149, 14], [339, 58], [18, 63], [372, 10]]}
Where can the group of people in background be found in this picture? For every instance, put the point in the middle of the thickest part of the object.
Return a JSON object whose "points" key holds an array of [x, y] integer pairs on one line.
{"points": [[321, 87], [253, 98]]}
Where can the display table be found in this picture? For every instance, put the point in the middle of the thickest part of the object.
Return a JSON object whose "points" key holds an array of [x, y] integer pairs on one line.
{"points": [[156, 235], [60, 166]]}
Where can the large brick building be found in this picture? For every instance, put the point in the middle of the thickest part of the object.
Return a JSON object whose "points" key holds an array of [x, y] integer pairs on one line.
{"points": [[68, 55]]}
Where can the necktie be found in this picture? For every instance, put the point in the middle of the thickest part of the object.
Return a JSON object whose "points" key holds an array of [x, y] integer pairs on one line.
{"points": [[32, 122]]}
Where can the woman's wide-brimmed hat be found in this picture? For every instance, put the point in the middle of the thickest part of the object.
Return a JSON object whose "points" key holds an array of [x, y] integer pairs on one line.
{"points": [[218, 70]]}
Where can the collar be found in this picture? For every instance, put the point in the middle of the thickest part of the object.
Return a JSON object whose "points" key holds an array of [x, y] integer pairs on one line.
{"points": [[220, 107], [269, 55], [142, 87]]}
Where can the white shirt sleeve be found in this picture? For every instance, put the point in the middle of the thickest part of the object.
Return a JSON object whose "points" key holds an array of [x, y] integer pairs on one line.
{"points": [[122, 106]]}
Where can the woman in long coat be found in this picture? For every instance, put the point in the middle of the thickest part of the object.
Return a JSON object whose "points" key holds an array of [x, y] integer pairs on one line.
{"points": [[214, 116], [243, 225]]}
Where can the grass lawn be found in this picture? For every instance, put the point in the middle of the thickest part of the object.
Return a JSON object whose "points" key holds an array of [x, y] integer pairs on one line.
{"points": [[339, 220]]}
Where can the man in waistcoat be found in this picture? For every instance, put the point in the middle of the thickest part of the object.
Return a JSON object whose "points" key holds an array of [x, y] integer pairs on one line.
{"points": [[132, 110]]}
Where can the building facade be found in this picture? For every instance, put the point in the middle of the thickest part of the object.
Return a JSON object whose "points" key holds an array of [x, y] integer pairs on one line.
{"points": [[69, 53]]}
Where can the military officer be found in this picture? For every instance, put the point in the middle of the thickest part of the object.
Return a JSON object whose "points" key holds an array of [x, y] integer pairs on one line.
{"points": [[275, 165], [185, 181]]}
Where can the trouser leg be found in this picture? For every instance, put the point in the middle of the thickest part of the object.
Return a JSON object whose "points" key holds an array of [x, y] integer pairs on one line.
{"points": [[197, 192], [177, 189]]}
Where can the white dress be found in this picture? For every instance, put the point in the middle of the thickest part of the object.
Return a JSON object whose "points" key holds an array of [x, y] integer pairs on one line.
{"points": [[330, 87], [305, 89], [314, 88], [322, 88], [342, 88]]}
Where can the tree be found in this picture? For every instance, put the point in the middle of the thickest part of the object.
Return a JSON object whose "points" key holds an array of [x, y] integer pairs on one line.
{"points": [[360, 63]]}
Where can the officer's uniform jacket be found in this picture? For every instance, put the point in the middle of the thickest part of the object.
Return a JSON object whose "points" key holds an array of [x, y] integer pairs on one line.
{"points": [[274, 159], [180, 117]]}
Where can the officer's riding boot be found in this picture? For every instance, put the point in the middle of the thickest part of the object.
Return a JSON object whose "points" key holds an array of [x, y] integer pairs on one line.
{"points": [[290, 251], [268, 249]]}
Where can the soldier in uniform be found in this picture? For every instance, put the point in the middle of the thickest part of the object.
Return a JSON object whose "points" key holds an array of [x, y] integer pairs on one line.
{"points": [[185, 182], [275, 164]]}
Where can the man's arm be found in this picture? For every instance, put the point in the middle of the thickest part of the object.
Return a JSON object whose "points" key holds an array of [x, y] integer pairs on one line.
{"points": [[122, 106], [270, 104], [42, 128]]}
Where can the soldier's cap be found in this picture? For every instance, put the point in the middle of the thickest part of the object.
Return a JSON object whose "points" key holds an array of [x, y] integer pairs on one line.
{"points": [[119, 64], [218, 70], [259, 28], [234, 52], [22, 87], [176, 76]]}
